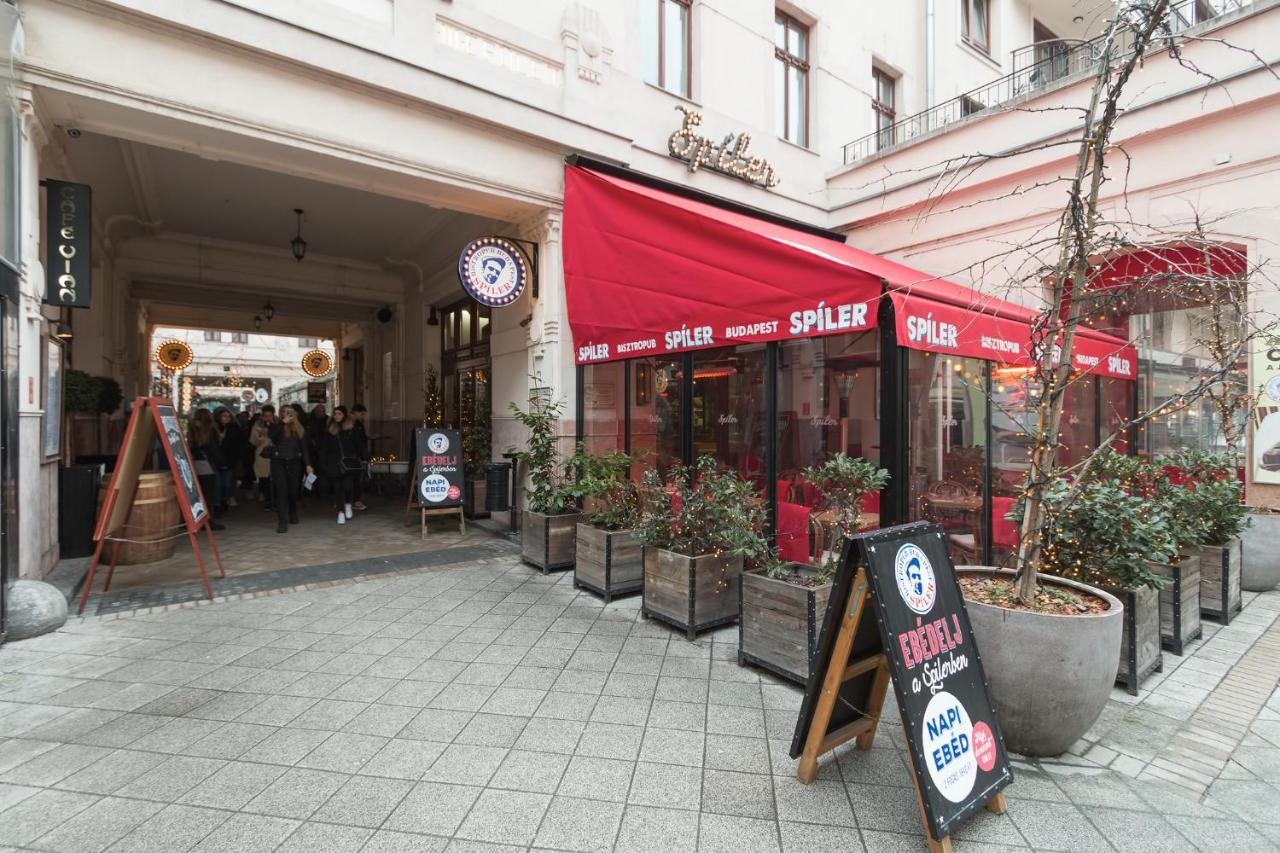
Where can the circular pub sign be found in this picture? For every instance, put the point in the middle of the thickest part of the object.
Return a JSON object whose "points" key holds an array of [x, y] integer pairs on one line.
{"points": [[317, 363], [493, 271], [173, 355]]}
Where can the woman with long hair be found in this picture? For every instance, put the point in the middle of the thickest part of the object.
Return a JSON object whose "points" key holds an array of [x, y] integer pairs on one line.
{"points": [[290, 457], [260, 437], [205, 452], [230, 439], [340, 460]]}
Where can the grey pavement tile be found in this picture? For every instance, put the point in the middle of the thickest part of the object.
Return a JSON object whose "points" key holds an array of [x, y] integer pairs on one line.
{"points": [[461, 764], [231, 740], [513, 701], [276, 710], [364, 801], [177, 735], [726, 834], [666, 786], [736, 693], [883, 807], [297, 793], [673, 746], [436, 724], [531, 677], [387, 841], [233, 786], [537, 772], [343, 752], [566, 706], [1136, 832], [821, 801], [171, 778], [325, 838], [403, 759], [741, 794], [413, 694], [364, 688], [879, 841], [462, 697], [504, 817], [737, 720], [433, 808], [314, 684], [609, 740], [580, 681], [73, 725], [175, 828], [99, 826], [1253, 800], [328, 714], [630, 685], [19, 751], [651, 830], [227, 706], [11, 795], [492, 730], [1210, 835], [730, 752], [689, 716], [580, 825], [52, 766], [123, 730], [111, 772], [597, 778], [382, 720], [1053, 826], [814, 838], [247, 833], [40, 814], [286, 746], [178, 702], [875, 766]]}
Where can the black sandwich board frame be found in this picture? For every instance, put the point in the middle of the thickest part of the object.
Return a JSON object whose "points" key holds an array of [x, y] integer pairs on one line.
{"points": [[855, 662], [419, 471]]}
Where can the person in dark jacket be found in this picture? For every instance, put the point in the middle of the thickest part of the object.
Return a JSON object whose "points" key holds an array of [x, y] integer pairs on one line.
{"points": [[231, 441], [339, 460], [290, 459], [358, 415], [207, 455]]}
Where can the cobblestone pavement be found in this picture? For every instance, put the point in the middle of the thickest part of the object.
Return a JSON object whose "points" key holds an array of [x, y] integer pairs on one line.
{"points": [[482, 706]]}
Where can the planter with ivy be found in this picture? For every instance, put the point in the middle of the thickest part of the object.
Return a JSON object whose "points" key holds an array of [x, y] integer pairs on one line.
{"points": [[697, 528], [1216, 497], [610, 560], [783, 603], [550, 519]]}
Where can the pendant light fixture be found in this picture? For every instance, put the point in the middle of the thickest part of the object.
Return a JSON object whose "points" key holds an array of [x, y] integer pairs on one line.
{"points": [[298, 245]]}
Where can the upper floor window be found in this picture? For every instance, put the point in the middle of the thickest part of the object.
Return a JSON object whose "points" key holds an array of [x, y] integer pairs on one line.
{"points": [[310, 343], [668, 45], [975, 23], [791, 78], [884, 106], [215, 337], [239, 337]]}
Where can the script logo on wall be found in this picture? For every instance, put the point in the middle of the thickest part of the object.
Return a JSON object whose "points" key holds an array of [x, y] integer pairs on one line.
{"points": [[731, 156], [493, 271]]}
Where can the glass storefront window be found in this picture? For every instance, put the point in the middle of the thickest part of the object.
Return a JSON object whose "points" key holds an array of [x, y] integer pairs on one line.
{"points": [[656, 394], [729, 409], [947, 423], [1078, 429], [1117, 409], [603, 408]]}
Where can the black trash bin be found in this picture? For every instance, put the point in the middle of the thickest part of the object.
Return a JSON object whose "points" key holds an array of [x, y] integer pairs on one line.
{"points": [[497, 487], [77, 509]]}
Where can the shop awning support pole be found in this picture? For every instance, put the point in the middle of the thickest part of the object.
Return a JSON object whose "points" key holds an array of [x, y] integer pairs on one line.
{"points": [[987, 523], [895, 425], [771, 438]]}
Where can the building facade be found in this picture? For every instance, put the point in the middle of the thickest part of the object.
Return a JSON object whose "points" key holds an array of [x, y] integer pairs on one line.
{"points": [[386, 134]]}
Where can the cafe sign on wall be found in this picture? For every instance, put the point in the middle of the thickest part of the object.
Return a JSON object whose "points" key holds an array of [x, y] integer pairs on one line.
{"points": [[731, 156], [68, 236]]}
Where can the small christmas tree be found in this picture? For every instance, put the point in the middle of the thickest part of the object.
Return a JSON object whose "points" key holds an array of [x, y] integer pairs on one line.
{"points": [[432, 412]]}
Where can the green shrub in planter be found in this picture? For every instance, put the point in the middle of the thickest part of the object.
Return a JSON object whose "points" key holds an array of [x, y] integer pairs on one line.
{"points": [[609, 556], [843, 481], [550, 518]]}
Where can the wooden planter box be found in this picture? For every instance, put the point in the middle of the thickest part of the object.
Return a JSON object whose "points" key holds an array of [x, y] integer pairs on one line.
{"points": [[693, 593], [610, 562], [1140, 640], [1179, 603], [547, 541], [1219, 580], [780, 623], [473, 493]]}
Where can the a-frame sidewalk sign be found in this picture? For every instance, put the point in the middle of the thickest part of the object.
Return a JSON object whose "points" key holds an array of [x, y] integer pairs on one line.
{"points": [[921, 641], [152, 418]]}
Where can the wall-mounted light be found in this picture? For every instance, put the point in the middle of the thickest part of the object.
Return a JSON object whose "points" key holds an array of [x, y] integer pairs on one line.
{"points": [[297, 244], [63, 332], [257, 323], [433, 318], [384, 314], [269, 310]]}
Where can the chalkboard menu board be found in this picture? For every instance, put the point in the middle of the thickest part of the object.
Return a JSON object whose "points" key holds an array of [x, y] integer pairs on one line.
{"points": [[922, 637], [179, 456], [438, 469]]}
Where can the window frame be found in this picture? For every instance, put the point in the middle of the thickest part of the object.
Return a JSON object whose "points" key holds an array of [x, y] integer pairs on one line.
{"points": [[212, 336], [661, 82], [881, 110], [239, 337], [966, 28], [793, 64]]}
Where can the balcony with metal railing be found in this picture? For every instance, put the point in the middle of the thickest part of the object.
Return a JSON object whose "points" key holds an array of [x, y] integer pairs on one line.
{"points": [[1036, 68]]}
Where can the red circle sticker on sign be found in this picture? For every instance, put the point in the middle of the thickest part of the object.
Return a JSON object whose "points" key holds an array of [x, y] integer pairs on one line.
{"points": [[455, 492], [984, 746]]}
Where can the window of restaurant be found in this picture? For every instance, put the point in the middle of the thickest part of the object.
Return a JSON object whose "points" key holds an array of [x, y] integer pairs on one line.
{"points": [[654, 410], [728, 416], [604, 407]]}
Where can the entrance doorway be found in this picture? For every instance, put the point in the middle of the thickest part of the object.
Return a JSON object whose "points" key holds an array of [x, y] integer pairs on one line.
{"points": [[467, 385]]}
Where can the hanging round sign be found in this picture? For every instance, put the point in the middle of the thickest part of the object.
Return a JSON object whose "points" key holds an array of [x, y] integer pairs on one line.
{"points": [[493, 271], [173, 355], [317, 363]]}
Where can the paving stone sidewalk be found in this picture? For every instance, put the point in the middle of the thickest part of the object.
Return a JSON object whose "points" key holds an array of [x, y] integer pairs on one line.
{"points": [[483, 706]]}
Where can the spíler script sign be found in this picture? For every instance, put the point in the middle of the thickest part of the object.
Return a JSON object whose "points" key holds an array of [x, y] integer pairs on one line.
{"points": [[68, 237], [438, 468], [731, 156]]}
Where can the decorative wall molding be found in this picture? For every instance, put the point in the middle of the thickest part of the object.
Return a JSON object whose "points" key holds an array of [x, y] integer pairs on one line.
{"points": [[498, 53]]}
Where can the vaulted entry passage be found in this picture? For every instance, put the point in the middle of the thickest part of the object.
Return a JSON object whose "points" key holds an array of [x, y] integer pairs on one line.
{"points": [[702, 328]]}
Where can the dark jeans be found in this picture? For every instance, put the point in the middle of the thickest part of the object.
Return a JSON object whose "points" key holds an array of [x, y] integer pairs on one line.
{"points": [[209, 486], [264, 489], [341, 487], [226, 486], [286, 483]]}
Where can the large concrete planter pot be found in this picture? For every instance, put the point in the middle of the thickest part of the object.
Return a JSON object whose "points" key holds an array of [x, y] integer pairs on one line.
{"points": [[610, 562], [1260, 563], [693, 593], [547, 541], [780, 623], [1050, 675], [1219, 580]]}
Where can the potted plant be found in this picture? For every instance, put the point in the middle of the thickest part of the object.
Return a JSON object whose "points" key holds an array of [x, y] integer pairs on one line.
{"points": [[783, 602], [1260, 550], [697, 528], [610, 559], [1216, 497], [1180, 596], [551, 515]]}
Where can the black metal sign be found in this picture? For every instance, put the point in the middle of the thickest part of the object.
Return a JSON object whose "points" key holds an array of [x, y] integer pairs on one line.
{"points": [[68, 238], [957, 751], [438, 470]]}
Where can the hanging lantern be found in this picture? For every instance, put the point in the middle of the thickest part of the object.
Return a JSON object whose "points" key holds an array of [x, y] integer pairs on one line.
{"points": [[173, 355], [317, 363]]}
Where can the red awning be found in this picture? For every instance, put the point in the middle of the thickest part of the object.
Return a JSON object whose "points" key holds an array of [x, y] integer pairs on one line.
{"points": [[648, 272]]}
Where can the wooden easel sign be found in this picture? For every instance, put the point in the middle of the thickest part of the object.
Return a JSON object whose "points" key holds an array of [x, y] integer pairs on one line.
{"points": [[151, 418], [921, 641], [437, 475]]}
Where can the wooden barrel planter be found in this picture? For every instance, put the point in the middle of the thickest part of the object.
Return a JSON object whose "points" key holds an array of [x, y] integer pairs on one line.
{"points": [[1179, 603], [693, 593], [609, 562], [153, 521], [780, 623], [1220, 580], [1140, 653], [547, 541]]}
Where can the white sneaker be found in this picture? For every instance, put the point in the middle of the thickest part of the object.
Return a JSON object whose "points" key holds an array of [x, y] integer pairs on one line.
{"points": [[342, 517], [346, 508], [231, 501]]}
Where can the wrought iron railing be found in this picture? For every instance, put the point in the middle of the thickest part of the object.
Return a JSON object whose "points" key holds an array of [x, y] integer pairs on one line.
{"points": [[1035, 67]]}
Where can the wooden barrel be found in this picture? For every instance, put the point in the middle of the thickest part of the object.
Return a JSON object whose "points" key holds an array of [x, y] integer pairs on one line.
{"points": [[152, 524]]}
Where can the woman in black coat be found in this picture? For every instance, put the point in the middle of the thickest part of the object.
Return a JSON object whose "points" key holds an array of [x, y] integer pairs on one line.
{"points": [[339, 456], [290, 457]]}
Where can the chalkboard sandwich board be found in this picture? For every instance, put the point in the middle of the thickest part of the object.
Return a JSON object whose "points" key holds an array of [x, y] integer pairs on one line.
{"points": [[438, 474], [921, 641]]}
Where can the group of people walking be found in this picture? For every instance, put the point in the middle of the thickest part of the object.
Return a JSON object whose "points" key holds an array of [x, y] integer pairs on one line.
{"points": [[275, 457]]}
